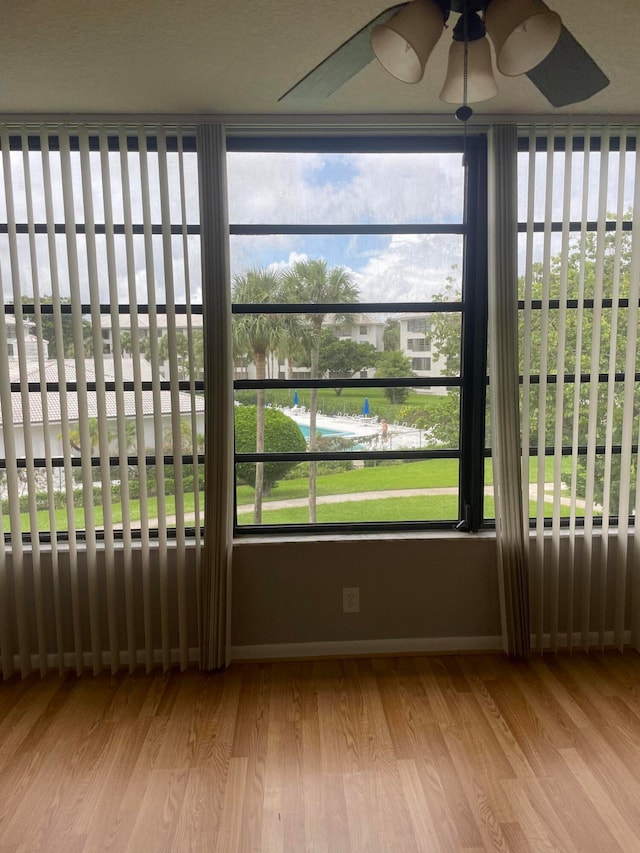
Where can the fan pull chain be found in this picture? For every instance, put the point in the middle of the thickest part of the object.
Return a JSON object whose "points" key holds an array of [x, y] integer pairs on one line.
{"points": [[465, 112]]}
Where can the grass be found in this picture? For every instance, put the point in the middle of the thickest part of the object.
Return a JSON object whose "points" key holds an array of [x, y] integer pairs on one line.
{"points": [[61, 519], [429, 508], [425, 474], [428, 474]]}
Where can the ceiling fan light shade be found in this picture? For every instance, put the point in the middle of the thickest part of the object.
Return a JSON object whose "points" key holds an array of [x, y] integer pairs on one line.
{"points": [[523, 33], [404, 43], [481, 84]]}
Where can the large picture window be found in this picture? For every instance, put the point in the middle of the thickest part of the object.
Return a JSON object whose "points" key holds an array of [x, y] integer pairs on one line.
{"points": [[344, 252]]}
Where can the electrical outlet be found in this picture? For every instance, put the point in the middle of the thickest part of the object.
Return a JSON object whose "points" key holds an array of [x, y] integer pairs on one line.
{"points": [[351, 599]]}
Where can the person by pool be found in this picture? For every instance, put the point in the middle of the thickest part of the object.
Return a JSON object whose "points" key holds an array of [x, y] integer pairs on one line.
{"points": [[383, 429]]}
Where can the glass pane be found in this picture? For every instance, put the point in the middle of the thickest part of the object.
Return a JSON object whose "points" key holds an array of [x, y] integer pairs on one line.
{"points": [[328, 189], [383, 268], [348, 345], [348, 492]]}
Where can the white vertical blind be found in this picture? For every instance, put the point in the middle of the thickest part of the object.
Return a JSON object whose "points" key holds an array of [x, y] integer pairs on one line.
{"points": [[101, 410], [580, 327]]}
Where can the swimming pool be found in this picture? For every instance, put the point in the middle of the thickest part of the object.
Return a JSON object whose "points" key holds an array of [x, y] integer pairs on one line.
{"points": [[304, 429]]}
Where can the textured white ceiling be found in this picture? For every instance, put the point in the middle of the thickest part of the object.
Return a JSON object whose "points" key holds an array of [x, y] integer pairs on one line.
{"points": [[199, 56]]}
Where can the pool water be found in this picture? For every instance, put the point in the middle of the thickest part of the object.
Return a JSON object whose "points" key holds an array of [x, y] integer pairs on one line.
{"points": [[322, 431]]}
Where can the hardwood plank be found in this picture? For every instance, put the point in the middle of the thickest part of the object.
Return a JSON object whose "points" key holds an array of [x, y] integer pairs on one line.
{"points": [[408, 754], [158, 817]]}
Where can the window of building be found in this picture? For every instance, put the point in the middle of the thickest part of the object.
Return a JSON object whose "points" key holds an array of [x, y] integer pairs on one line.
{"points": [[421, 363], [364, 331], [417, 344], [339, 227], [418, 325], [99, 444]]}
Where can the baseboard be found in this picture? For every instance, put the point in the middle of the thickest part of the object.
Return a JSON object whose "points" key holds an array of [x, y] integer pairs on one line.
{"points": [[364, 648], [69, 659], [576, 640]]}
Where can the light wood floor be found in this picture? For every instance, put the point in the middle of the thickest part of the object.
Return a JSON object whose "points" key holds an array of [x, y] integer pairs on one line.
{"points": [[407, 754]]}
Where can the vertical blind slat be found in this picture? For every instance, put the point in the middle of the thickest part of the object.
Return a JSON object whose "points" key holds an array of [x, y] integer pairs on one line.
{"points": [[9, 432], [152, 283], [526, 361], [140, 440], [176, 419], [65, 435], [36, 555]]}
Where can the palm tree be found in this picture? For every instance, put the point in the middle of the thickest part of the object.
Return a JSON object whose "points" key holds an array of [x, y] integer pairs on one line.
{"points": [[313, 282], [94, 436], [256, 336]]}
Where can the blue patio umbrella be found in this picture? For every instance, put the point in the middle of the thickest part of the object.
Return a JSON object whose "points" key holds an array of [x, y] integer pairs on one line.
{"points": [[296, 399], [365, 407]]}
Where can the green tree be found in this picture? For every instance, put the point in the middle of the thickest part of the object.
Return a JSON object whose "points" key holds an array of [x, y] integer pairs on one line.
{"points": [[125, 342], [394, 365], [312, 282], [163, 347], [256, 336], [391, 336], [94, 436], [185, 441], [569, 343], [340, 359], [48, 322], [281, 435]]}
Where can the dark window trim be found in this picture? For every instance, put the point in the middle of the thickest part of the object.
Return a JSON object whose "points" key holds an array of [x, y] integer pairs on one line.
{"points": [[473, 307]]}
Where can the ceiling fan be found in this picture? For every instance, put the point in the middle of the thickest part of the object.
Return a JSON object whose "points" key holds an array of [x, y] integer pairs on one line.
{"points": [[527, 37]]}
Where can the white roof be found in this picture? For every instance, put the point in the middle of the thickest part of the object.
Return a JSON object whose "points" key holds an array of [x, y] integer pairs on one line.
{"points": [[142, 321], [356, 320], [129, 408]]}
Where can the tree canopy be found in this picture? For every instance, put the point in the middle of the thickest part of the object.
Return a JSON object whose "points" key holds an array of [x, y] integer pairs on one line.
{"points": [[281, 434], [340, 359], [394, 365]]}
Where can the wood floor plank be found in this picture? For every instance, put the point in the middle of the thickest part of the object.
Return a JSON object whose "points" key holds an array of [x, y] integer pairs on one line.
{"points": [[387, 755]]}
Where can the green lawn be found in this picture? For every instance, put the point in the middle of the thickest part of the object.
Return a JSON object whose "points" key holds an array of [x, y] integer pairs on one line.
{"points": [[426, 474], [386, 509]]}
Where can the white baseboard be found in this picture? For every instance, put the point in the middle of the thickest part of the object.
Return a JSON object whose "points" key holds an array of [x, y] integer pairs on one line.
{"points": [[352, 648]]}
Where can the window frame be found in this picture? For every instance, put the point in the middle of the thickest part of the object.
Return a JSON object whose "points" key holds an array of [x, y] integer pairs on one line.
{"points": [[473, 308]]}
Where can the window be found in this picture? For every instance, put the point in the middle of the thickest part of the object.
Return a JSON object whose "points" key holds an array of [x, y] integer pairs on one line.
{"points": [[417, 344], [336, 228], [99, 243], [419, 324], [421, 363], [364, 331], [580, 384]]}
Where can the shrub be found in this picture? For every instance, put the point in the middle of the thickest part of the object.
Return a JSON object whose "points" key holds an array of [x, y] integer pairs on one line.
{"points": [[281, 434]]}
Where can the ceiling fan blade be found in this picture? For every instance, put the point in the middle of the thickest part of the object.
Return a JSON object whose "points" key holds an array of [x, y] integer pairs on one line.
{"points": [[568, 74], [341, 65]]}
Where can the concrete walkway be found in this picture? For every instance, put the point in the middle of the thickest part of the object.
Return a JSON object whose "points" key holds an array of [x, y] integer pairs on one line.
{"points": [[390, 493]]}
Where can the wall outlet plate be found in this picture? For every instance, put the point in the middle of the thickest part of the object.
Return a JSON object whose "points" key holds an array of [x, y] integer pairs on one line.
{"points": [[351, 599]]}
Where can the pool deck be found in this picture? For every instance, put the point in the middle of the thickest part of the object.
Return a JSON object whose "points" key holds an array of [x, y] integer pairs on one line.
{"points": [[399, 436]]}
